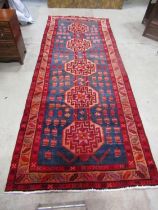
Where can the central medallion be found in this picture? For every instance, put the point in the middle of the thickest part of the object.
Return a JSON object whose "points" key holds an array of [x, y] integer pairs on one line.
{"points": [[83, 138], [81, 97], [78, 45], [83, 67], [77, 27]]}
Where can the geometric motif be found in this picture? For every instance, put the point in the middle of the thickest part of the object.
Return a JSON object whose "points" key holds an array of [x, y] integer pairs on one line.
{"points": [[80, 66], [83, 138], [78, 45], [78, 27], [81, 97]]}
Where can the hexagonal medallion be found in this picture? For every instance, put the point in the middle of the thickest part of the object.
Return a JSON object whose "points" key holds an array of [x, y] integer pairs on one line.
{"points": [[77, 27], [78, 45], [81, 97], [83, 138], [82, 67]]}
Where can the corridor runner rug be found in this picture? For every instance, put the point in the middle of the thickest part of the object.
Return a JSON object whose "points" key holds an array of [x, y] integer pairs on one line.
{"points": [[81, 128]]}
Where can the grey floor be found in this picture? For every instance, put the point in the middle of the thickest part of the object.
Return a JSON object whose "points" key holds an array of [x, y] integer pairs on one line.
{"points": [[140, 56]]}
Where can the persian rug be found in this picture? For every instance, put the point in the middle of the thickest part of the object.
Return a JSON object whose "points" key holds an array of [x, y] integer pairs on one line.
{"points": [[81, 128]]}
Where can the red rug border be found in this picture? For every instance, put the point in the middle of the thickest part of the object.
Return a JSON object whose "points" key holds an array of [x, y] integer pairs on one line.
{"points": [[89, 185], [133, 104], [25, 115]]}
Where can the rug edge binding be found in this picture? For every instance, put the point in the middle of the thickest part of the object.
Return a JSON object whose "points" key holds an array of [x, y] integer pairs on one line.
{"points": [[85, 190]]}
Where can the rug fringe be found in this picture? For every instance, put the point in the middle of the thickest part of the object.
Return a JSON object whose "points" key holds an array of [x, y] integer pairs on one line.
{"points": [[85, 190]]}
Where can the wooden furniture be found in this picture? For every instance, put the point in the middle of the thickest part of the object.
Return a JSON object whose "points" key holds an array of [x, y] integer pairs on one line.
{"points": [[151, 21], [12, 46], [113, 4], [4, 4]]}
